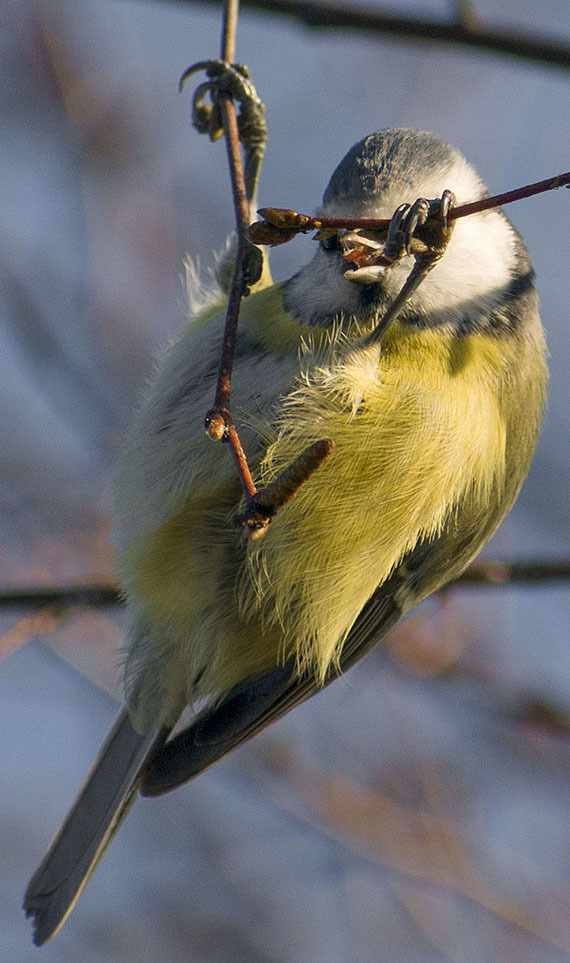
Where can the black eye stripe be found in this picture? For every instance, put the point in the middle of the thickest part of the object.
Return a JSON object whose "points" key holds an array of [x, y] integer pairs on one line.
{"points": [[330, 243]]}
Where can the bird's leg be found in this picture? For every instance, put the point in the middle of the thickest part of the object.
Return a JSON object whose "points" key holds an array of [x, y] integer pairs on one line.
{"points": [[434, 232], [423, 230], [231, 80], [231, 83]]}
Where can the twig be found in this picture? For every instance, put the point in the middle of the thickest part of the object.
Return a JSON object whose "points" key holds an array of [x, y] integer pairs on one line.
{"points": [[465, 15], [519, 194], [280, 225], [229, 27], [242, 466], [492, 572], [264, 504], [327, 16], [247, 268], [427, 225], [487, 573], [229, 120], [60, 597], [227, 81]]}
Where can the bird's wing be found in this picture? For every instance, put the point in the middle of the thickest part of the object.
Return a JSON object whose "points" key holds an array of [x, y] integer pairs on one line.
{"points": [[255, 704]]}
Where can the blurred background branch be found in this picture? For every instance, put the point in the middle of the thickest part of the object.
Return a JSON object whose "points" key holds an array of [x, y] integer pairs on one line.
{"points": [[488, 573], [466, 30]]}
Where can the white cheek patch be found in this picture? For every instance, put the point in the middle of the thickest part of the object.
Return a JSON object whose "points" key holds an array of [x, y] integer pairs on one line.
{"points": [[479, 262], [320, 291]]}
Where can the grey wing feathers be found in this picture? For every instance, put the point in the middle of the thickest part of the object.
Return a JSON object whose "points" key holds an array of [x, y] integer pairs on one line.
{"points": [[97, 813], [252, 706]]}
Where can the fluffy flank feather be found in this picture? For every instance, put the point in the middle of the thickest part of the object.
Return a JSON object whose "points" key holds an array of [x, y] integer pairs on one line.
{"points": [[396, 421], [202, 294]]}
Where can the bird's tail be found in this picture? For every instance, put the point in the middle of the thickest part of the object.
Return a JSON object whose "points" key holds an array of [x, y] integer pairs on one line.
{"points": [[102, 804]]}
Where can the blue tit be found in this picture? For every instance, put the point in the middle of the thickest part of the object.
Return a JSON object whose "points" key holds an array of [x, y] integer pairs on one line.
{"points": [[434, 426]]}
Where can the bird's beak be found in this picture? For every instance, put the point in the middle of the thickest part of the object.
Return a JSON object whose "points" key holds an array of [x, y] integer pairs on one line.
{"points": [[363, 257]]}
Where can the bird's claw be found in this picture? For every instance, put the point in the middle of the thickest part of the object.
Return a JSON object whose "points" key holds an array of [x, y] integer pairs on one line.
{"points": [[228, 80], [405, 221], [438, 228], [422, 229]]}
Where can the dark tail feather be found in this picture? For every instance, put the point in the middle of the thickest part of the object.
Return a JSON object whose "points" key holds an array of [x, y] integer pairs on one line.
{"points": [[107, 793]]}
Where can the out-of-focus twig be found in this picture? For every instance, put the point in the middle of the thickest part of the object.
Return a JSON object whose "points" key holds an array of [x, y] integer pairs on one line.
{"points": [[60, 597], [507, 42], [490, 572], [419, 843], [487, 573], [465, 15]]}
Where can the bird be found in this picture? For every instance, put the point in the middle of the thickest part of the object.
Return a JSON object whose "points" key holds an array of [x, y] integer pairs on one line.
{"points": [[432, 427]]}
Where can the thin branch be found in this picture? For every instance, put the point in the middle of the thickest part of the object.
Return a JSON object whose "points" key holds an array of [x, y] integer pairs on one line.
{"points": [[241, 209], [495, 573], [248, 262], [264, 504], [487, 573], [226, 83], [241, 464], [503, 42], [280, 225], [465, 15], [519, 194], [229, 27], [61, 597]]}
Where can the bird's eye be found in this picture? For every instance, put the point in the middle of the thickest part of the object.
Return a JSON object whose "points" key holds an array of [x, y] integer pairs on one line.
{"points": [[330, 243]]}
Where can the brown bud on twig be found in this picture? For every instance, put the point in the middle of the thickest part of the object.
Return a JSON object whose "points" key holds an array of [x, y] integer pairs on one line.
{"points": [[265, 503], [262, 232], [215, 425]]}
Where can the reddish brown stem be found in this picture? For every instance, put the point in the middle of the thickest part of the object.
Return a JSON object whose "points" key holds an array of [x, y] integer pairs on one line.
{"points": [[223, 387], [499, 200], [281, 224], [241, 207], [263, 504], [241, 463], [218, 422], [229, 27], [287, 484]]}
